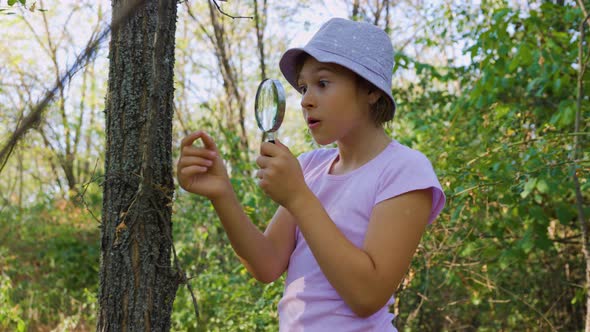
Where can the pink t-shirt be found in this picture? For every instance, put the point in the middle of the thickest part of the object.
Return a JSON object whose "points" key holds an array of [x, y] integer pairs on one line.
{"points": [[310, 303]]}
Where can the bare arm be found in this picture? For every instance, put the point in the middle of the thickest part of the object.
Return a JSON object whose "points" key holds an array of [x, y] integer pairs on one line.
{"points": [[201, 171], [366, 278], [266, 256]]}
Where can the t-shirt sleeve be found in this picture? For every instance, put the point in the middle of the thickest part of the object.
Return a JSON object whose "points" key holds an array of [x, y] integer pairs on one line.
{"points": [[305, 159], [414, 172]]}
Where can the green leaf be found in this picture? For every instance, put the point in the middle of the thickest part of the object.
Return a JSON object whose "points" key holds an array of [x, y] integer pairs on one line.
{"points": [[527, 243], [567, 117], [564, 214], [557, 85], [11, 2], [542, 186], [528, 187]]}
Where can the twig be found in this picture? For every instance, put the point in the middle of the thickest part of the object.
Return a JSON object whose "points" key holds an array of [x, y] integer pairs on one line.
{"points": [[532, 307], [581, 4], [476, 187], [180, 270], [85, 187], [226, 14], [488, 153]]}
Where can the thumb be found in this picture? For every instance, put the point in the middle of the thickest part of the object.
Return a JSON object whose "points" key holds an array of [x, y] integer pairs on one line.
{"points": [[281, 145]]}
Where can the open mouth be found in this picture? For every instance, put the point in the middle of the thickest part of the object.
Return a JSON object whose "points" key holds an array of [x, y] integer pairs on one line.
{"points": [[311, 122]]}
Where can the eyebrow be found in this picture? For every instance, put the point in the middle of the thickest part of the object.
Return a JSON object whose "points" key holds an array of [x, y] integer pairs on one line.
{"points": [[322, 68]]}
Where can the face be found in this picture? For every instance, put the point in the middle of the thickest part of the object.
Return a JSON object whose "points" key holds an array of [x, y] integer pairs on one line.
{"points": [[335, 107]]}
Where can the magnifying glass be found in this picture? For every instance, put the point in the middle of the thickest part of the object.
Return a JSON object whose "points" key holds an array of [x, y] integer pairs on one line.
{"points": [[269, 107]]}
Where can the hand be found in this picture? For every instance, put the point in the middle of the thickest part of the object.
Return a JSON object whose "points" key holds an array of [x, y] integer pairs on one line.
{"points": [[280, 174], [200, 170]]}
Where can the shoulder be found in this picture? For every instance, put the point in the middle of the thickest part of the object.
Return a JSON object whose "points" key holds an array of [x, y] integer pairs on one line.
{"points": [[405, 169], [399, 158], [315, 157], [406, 155]]}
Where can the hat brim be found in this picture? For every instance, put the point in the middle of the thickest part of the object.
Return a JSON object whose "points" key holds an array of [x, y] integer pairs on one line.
{"points": [[288, 66]]}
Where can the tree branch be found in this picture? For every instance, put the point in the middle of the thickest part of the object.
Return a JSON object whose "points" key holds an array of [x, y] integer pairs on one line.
{"points": [[34, 117], [226, 14]]}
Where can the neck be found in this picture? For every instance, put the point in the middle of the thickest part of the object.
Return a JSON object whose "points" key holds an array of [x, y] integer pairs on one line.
{"points": [[357, 151]]}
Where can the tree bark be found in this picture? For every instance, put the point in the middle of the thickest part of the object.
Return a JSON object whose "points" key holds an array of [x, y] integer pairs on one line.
{"points": [[137, 282]]}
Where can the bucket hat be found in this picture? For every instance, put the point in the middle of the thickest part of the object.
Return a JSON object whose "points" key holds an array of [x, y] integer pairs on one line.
{"points": [[360, 47]]}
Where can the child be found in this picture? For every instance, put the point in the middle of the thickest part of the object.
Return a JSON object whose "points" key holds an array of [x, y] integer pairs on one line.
{"points": [[350, 218]]}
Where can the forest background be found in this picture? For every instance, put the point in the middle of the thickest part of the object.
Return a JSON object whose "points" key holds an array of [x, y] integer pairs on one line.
{"points": [[493, 92]]}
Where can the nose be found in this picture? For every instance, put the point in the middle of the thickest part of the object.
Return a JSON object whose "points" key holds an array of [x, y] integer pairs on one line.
{"points": [[308, 99]]}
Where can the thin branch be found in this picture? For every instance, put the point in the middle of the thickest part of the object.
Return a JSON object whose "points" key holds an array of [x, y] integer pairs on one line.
{"points": [[575, 151], [180, 271], [581, 4], [83, 192], [226, 14], [488, 153]]}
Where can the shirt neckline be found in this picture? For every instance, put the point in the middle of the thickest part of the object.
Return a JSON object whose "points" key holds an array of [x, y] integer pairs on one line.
{"points": [[345, 176]]}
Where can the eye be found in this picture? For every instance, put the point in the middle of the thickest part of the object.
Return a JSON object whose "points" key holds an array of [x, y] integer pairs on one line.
{"points": [[302, 89], [322, 83]]}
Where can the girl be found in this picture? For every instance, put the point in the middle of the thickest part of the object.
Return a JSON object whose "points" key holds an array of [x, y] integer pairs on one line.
{"points": [[351, 217]]}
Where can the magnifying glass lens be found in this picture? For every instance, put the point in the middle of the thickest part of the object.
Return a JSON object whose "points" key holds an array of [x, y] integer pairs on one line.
{"points": [[267, 106]]}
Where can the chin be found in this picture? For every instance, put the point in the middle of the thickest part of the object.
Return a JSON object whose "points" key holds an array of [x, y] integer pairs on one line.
{"points": [[323, 140]]}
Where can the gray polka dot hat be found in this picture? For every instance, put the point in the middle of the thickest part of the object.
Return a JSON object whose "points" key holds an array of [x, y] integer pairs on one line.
{"points": [[361, 47]]}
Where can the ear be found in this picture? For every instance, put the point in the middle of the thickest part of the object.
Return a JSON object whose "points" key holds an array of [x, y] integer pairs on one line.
{"points": [[374, 95]]}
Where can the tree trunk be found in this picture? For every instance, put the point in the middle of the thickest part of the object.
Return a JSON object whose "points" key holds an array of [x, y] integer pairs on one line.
{"points": [[137, 282], [230, 76], [260, 23]]}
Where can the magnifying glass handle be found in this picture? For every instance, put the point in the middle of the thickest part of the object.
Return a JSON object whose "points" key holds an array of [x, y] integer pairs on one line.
{"points": [[270, 137]]}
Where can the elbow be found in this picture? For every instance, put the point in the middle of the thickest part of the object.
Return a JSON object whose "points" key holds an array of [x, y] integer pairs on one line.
{"points": [[367, 307], [368, 301], [267, 277], [365, 311]]}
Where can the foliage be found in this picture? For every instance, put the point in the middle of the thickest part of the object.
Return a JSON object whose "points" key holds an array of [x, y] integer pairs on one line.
{"points": [[228, 297], [10, 314], [48, 265], [502, 146], [498, 127]]}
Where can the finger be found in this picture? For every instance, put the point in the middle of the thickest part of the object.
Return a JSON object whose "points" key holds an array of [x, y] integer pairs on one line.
{"points": [[262, 184], [278, 142], [198, 152], [188, 140], [198, 161], [193, 170], [208, 141], [281, 145], [262, 161]]}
